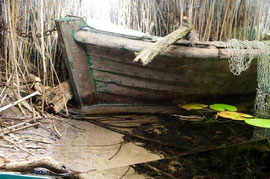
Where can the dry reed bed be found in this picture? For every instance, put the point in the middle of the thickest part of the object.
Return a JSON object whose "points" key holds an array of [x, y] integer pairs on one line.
{"points": [[212, 19]]}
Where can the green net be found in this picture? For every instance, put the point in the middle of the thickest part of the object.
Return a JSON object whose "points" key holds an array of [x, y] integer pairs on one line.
{"points": [[240, 60]]}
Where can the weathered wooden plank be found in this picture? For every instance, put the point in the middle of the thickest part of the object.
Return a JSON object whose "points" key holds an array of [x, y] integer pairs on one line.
{"points": [[137, 82], [76, 61], [179, 74], [136, 92], [203, 82], [110, 98], [107, 65], [201, 90], [126, 57], [124, 74], [117, 43], [173, 51], [162, 64], [186, 94], [111, 109]]}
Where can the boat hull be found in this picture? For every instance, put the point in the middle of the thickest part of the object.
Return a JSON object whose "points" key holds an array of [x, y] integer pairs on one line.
{"points": [[179, 75]]}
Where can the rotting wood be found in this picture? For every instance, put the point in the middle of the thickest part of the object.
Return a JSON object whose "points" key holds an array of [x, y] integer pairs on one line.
{"points": [[147, 55], [170, 83], [141, 93], [141, 81], [181, 51], [177, 64], [134, 81], [180, 71], [61, 95], [83, 86], [110, 109], [108, 65], [56, 98]]}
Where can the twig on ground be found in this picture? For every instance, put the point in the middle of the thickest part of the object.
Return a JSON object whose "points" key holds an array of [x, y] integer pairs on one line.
{"points": [[165, 174], [59, 135], [38, 140], [18, 127], [19, 101], [117, 151], [17, 145], [125, 173]]}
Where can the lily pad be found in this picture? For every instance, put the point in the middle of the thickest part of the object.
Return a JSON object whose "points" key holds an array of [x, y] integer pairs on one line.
{"points": [[234, 115], [265, 123], [194, 106], [223, 107]]}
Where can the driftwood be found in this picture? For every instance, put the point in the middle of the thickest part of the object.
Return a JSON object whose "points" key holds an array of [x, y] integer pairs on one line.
{"points": [[28, 165], [147, 55]]}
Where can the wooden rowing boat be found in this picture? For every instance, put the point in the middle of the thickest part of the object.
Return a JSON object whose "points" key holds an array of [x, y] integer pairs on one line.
{"points": [[102, 70]]}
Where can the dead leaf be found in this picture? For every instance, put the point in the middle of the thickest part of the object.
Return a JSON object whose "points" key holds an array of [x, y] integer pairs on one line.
{"points": [[193, 106], [234, 115]]}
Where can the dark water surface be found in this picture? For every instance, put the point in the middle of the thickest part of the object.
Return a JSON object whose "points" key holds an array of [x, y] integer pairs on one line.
{"points": [[208, 149], [211, 148]]}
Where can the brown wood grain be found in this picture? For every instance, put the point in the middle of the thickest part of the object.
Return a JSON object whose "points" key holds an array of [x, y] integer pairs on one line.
{"points": [[115, 42], [180, 73], [111, 109], [76, 61], [107, 65]]}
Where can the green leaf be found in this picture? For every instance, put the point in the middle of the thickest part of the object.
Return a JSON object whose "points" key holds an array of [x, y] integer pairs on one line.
{"points": [[234, 115], [223, 107], [259, 122], [193, 106]]}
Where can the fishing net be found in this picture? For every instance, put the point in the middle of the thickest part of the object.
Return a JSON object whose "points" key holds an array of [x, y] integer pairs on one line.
{"points": [[240, 61]]}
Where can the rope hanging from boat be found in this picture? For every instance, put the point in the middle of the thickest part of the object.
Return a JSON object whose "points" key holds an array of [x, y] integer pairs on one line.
{"points": [[239, 62]]}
